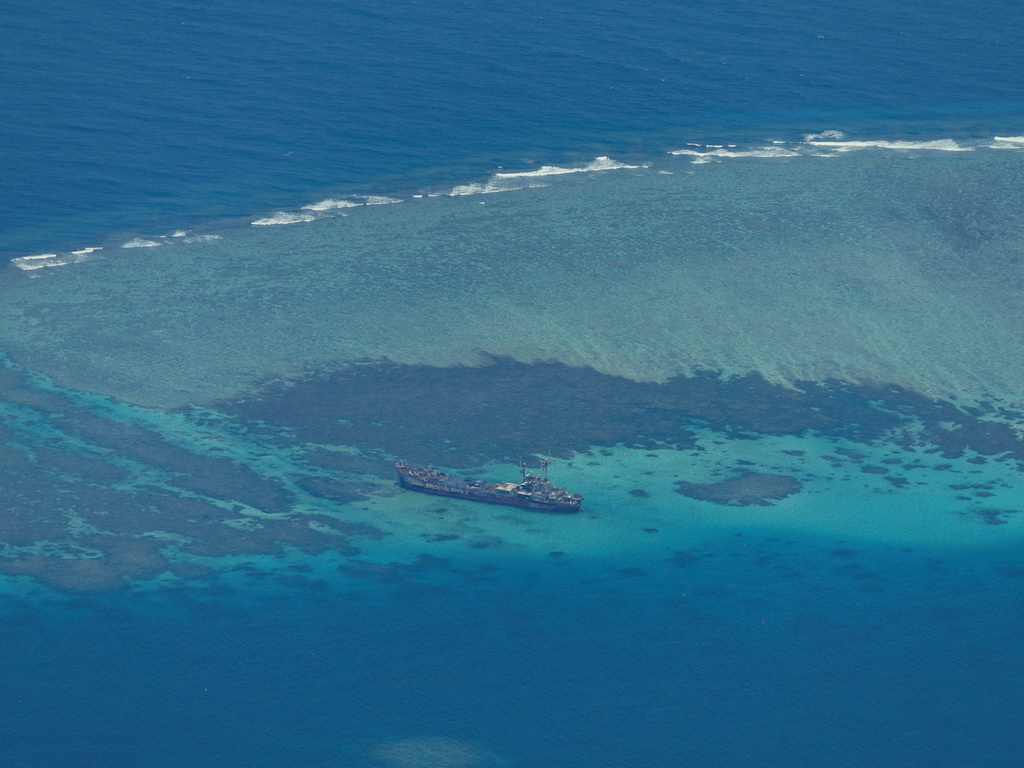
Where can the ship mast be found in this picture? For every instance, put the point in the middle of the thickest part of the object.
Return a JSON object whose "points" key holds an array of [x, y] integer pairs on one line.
{"points": [[542, 473]]}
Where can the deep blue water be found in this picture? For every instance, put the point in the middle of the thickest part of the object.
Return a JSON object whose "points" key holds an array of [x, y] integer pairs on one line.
{"points": [[136, 118], [762, 652], [121, 116]]}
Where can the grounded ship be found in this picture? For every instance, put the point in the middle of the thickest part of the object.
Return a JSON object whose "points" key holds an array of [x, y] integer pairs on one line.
{"points": [[534, 492]]}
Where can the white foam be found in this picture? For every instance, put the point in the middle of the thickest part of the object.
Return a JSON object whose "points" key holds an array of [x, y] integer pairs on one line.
{"points": [[139, 242], [201, 238], [380, 200], [489, 187], [38, 261], [944, 145], [509, 181], [283, 217], [179, 233], [86, 251], [824, 144], [47, 260], [1007, 142], [330, 204], [711, 151], [22, 263], [847, 287], [597, 164], [825, 136]]}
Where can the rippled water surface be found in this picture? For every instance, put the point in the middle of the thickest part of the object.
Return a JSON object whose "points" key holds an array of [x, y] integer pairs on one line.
{"points": [[750, 276]]}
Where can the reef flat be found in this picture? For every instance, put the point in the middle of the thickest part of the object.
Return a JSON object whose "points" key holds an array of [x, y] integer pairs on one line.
{"points": [[813, 262]]}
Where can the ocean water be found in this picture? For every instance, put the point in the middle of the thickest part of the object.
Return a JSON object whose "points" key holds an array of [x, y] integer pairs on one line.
{"points": [[749, 274]]}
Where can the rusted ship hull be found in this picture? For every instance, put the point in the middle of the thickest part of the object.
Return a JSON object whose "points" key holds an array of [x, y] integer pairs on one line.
{"points": [[526, 495]]}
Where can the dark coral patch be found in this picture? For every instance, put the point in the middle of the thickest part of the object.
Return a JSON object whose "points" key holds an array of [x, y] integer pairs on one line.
{"points": [[426, 562], [683, 559], [748, 489], [68, 574], [503, 409], [853, 456], [485, 542], [326, 488], [994, 516], [395, 572], [463, 417]]}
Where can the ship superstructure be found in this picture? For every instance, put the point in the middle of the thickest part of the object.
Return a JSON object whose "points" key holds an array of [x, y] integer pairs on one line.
{"points": [[534, 491]]}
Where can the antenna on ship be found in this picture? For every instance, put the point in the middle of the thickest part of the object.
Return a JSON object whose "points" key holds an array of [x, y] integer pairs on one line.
{"points": [[544, 468]]}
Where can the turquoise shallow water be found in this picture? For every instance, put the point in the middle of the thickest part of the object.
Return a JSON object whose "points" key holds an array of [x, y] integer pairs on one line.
{"points": [[815, 260], [785, 383], [652, 626], [782, 365], [289, 603], [148, 494]]}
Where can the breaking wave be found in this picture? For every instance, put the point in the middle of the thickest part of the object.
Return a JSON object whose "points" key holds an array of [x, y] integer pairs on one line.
{"points": [[707, 153], [283, 217], [826, 143], [510, 181], [597, 164], [831, 143], [46, 260], [330, 204], [1007, 142]]}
